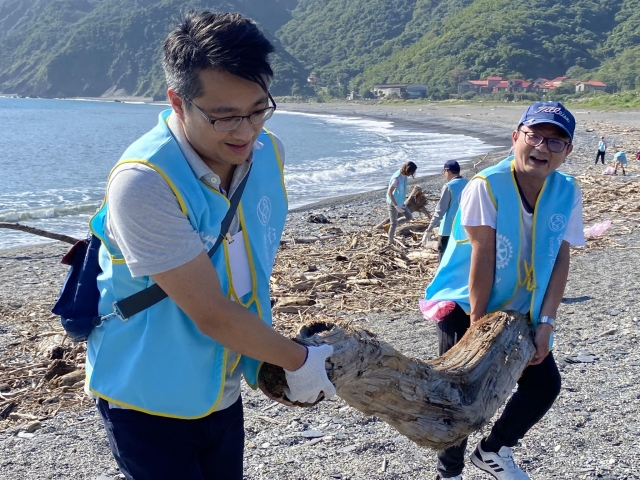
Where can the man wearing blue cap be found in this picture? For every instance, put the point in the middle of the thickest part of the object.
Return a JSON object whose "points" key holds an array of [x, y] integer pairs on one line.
{"points": [[447, 206], [510, 251]]}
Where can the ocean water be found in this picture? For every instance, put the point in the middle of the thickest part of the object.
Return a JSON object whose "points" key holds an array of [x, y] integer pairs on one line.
{"points": [[55, 156]]}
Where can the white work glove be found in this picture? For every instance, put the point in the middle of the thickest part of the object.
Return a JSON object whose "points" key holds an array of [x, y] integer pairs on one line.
{"points": [[400, 208], [425, 238], [305, 384]]}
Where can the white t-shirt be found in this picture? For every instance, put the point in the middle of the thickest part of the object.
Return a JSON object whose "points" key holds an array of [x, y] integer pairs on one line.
{"points": [[478, 210]]}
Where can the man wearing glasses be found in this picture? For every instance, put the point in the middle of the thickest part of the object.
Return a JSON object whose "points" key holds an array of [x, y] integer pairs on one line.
{"points": [[511, 241], [167, 379]]}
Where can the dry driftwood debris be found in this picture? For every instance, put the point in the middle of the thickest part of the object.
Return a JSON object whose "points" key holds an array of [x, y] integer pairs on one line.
{"points": [[416, 202], [436, 403], [335, 273]]}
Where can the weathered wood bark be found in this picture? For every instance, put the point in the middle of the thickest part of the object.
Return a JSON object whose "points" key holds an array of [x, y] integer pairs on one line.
{"points": [[436, 403], [37, 231], [416, 202]]}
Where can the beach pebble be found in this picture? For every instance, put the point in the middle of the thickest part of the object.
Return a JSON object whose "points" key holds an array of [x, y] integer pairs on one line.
{"points": [[33, 426]]}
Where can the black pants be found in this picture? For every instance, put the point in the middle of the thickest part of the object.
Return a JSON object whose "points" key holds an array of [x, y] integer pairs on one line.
{"points": [[149, 447], [600, 156], [442, 246], [538, 388]]}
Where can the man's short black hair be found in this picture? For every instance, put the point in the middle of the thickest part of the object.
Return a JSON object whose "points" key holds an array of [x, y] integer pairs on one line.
{"points": [[226, 42]]}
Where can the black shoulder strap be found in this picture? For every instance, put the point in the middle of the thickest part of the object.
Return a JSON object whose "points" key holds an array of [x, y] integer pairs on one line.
{"points": [[136, 303]]}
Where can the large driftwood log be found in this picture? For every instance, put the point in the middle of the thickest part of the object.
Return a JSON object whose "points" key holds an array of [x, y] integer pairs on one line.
{"points": [[40, 232], [436, 403]]}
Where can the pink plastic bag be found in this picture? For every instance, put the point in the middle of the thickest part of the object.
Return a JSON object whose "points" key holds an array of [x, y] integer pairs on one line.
{"points": [[436, 310], [597, 229], [609, 171]]}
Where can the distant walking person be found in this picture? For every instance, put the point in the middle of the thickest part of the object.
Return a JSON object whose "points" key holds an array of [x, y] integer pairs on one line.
{"points": [[447, 206], [396, 194], [602, 147]]}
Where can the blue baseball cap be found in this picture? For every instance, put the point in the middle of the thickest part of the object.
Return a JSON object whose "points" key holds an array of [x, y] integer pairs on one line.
{"points": [[451, 165], [549, 112]]}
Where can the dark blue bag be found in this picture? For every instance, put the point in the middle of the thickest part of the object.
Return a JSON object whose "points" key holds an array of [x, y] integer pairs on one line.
{"points": [[78, 299]]}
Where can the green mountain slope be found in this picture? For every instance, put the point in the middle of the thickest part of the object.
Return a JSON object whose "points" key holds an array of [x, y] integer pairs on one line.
{"points": [[89, 47], [621, 51], [498, 37], [441, 42], [339, 39]]}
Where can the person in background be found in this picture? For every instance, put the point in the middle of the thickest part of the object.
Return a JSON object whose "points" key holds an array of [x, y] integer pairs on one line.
{"points": [[638, 155], [447, 206], [396, 194], [602, 147], [509, 250], [619, 158], [167, 381]]}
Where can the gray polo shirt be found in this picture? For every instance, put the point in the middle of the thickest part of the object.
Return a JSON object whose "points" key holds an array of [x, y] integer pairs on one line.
{"points": [[145, 223]]}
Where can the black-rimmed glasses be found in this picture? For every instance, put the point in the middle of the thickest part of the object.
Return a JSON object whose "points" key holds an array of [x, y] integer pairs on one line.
{"points": [[227, 124], [554, 145]]}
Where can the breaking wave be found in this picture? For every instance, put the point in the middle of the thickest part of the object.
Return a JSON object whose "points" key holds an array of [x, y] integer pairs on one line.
{"points": [[13, 216]]}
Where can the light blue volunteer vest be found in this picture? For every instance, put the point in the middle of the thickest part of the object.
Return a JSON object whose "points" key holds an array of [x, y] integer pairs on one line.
{"points": [[158, 361], [550, 219], [620, 157], [401, 190], [455, 186]]}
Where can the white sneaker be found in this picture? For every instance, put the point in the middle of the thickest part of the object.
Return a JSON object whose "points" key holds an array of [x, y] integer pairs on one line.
{"points": [[500, 465]]}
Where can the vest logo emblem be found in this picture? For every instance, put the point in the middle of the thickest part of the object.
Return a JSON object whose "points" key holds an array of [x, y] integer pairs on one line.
{"points": [[557, 222], [504, 251], [264, 210]]}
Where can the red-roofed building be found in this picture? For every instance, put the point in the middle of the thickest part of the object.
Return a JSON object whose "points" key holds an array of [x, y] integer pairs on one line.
{"points": [[558, 81], [494, 85], [503, 86], [584, 86], [479, 86]]}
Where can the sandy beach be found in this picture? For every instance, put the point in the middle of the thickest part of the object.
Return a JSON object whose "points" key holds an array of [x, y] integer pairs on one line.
{"points": [[592, 431]]}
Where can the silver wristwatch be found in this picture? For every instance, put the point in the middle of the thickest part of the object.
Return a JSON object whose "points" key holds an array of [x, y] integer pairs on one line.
{"points": [[548, 320]]}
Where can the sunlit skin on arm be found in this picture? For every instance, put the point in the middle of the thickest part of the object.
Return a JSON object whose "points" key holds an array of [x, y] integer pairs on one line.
{"points": [[195, 288], [483, 261]]}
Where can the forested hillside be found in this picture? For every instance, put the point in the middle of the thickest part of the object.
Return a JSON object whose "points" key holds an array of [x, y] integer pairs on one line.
{"points": [[500, 37], [89, 47]]}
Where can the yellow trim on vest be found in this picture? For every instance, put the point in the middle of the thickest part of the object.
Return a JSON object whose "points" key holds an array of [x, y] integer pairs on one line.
{"points": [[216, 191], [120, 260], [160, 414], [277, 150], [518, 284], [147, 163], [251, 385], [235, 364], [231, 293], [533, 249], [252, 266], [466, 240], [114, 259], [493, 198]]}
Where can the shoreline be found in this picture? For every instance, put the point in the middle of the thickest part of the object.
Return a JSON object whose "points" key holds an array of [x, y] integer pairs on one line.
{"points": [[490, 124], [590, 429]]}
